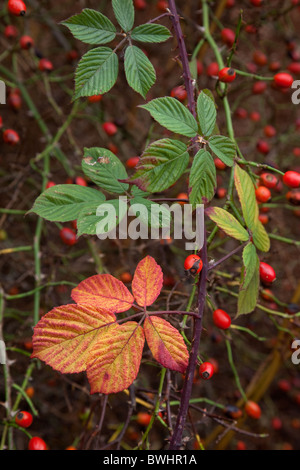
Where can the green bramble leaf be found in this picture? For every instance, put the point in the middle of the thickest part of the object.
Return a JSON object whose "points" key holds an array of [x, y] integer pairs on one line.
{"points": [[223, 148], [91, 27], [63, 202], [173, 115], [136, 191], [202, 180], [150, 33], [248, 295], [101, 218], [207, 113], [124, 13], [250, 262], [150, 213], [246, 194], [161, 165], [96, 73], [228, 223], [139, 71], [105, 169]]}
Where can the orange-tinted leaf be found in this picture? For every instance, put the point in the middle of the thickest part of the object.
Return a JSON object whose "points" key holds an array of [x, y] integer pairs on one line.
{"points": [[166, 344], [116, 358], [147, 281], [65, 336], [105, 291]]}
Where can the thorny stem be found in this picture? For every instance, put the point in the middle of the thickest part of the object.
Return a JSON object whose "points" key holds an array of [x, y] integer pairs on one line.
{"points": [[176, 438], [188, 81]]}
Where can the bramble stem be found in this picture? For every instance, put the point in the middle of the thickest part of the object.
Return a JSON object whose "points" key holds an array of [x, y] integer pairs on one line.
{"points": [[188, 81], [176, 438]]}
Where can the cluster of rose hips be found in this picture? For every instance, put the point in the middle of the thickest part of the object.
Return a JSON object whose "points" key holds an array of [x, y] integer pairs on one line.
{"points": [[18, 8], [268, 181], [193, 265]]}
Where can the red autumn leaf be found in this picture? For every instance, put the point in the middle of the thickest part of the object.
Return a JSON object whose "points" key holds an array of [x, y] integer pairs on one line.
{"points": [[116, 357], [147, 281], [166, 344], [105, 291], [65, 336]]}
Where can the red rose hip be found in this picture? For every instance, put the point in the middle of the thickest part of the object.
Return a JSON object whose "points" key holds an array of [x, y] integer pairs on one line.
{"points": [[68, 236], [291, 179], [132, 162], [263, 194], [193, 264], [228, 36], [206, 370], [227, 75], [37, 443], [11, 137], [221, 319], [179, 92], [266, 272], [45, 65], [26, 42], [109, 128], [283, 80], [10, 32], [252, 409], [16, 7], [23, 419], [269, 180]]}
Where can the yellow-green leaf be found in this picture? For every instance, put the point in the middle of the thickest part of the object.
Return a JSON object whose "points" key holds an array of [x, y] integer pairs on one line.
{"points": [[248, 297], [246, 193], [260, 237], [250, 262], [228, 223]]}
